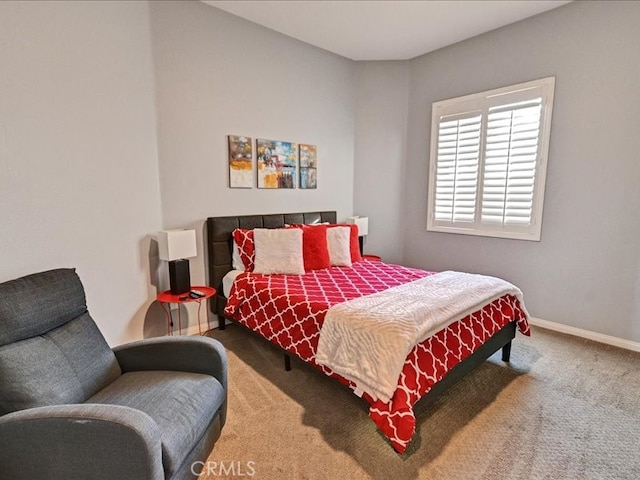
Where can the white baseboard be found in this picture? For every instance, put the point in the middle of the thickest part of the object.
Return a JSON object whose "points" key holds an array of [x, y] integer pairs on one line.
{"points": [[588, 334]]}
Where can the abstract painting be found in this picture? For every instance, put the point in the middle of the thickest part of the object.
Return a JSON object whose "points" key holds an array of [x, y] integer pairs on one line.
{"points": [[240, 162], [308, 166], [277, 165]]}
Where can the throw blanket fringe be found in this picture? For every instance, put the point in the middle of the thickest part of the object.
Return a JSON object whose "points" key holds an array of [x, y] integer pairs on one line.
{"points": [[366, 340]]}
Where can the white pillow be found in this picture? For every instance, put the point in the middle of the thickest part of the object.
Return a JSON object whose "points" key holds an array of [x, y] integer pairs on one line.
{"points": [[236, 261], [278, 250], [338, 242]]}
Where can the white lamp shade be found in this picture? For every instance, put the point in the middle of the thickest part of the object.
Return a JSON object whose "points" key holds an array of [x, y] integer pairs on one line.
{"points": [[362, 223], [177, 244]]}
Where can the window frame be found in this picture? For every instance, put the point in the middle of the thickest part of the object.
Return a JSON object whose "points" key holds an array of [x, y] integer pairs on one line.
{"points": [[483, 101]]}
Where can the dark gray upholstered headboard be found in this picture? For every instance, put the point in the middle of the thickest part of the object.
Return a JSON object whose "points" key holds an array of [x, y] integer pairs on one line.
{"points": [[219, 242]]}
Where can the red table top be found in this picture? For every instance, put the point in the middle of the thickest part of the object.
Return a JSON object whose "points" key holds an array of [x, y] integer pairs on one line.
{"points": [[168, 297]]}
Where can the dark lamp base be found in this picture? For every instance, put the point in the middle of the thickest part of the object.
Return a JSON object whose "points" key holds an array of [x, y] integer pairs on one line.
{"points": [[179, 276]]}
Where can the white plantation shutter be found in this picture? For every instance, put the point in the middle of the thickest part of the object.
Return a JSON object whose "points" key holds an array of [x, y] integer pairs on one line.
{"points": [[488, 161], [511, 152], [457, 169]]}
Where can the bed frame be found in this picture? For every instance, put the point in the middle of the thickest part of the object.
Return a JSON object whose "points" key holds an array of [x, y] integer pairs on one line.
{"points": [[219, 243]]}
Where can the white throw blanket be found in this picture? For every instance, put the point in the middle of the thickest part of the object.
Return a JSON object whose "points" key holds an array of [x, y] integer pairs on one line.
{"points": [[366, 340]]}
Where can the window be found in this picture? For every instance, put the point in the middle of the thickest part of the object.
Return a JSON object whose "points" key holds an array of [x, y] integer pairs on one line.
{"points": [[488, 161]]}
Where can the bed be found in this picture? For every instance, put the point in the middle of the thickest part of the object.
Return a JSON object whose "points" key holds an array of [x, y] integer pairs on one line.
{"points": [[265, 305]]}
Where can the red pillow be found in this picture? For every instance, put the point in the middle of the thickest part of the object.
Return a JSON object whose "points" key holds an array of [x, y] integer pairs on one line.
{"points": [[355, 244], [243, 238], [314, 247], [354, 241]]}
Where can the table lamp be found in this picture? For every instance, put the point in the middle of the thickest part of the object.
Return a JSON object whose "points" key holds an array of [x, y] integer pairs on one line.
{"points": [[176, 246], [363, 229]]}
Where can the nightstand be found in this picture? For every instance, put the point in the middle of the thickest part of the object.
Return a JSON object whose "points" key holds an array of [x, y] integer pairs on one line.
{"points": [[166, 298]]}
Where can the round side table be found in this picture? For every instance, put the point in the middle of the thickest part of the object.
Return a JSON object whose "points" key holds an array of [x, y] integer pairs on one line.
{"points": [[166, 298]]}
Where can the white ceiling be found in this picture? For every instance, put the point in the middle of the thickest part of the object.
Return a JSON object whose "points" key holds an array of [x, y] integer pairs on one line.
{"points": [[384, 30]]}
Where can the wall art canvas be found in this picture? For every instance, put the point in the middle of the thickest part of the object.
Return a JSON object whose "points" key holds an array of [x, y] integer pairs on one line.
{"points": [[277, 163], [308, 166], [240, 162]]}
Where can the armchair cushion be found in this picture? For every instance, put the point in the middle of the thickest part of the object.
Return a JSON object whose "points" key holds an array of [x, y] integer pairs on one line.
{"points": [[34, 304], [65, 365], [182, 405]]}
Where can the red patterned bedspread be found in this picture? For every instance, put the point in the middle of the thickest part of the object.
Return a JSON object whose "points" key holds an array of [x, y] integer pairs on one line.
{"points": [[289, 311]]}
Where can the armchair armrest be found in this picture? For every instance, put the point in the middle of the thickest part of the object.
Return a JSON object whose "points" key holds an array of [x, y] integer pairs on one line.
{"points": [[80, 441], [183, 354]]}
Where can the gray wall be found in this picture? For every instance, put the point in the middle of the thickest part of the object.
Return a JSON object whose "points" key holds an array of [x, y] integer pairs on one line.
{"points": [[78, 164], [216, 75], [585, 272], [381, 125]]}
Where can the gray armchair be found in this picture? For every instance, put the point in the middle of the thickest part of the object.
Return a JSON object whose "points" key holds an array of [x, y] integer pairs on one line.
{"points": [[72, 408]]}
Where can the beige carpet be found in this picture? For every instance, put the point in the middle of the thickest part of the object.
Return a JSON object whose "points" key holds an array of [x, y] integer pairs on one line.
{"points": [[565, 408]]}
